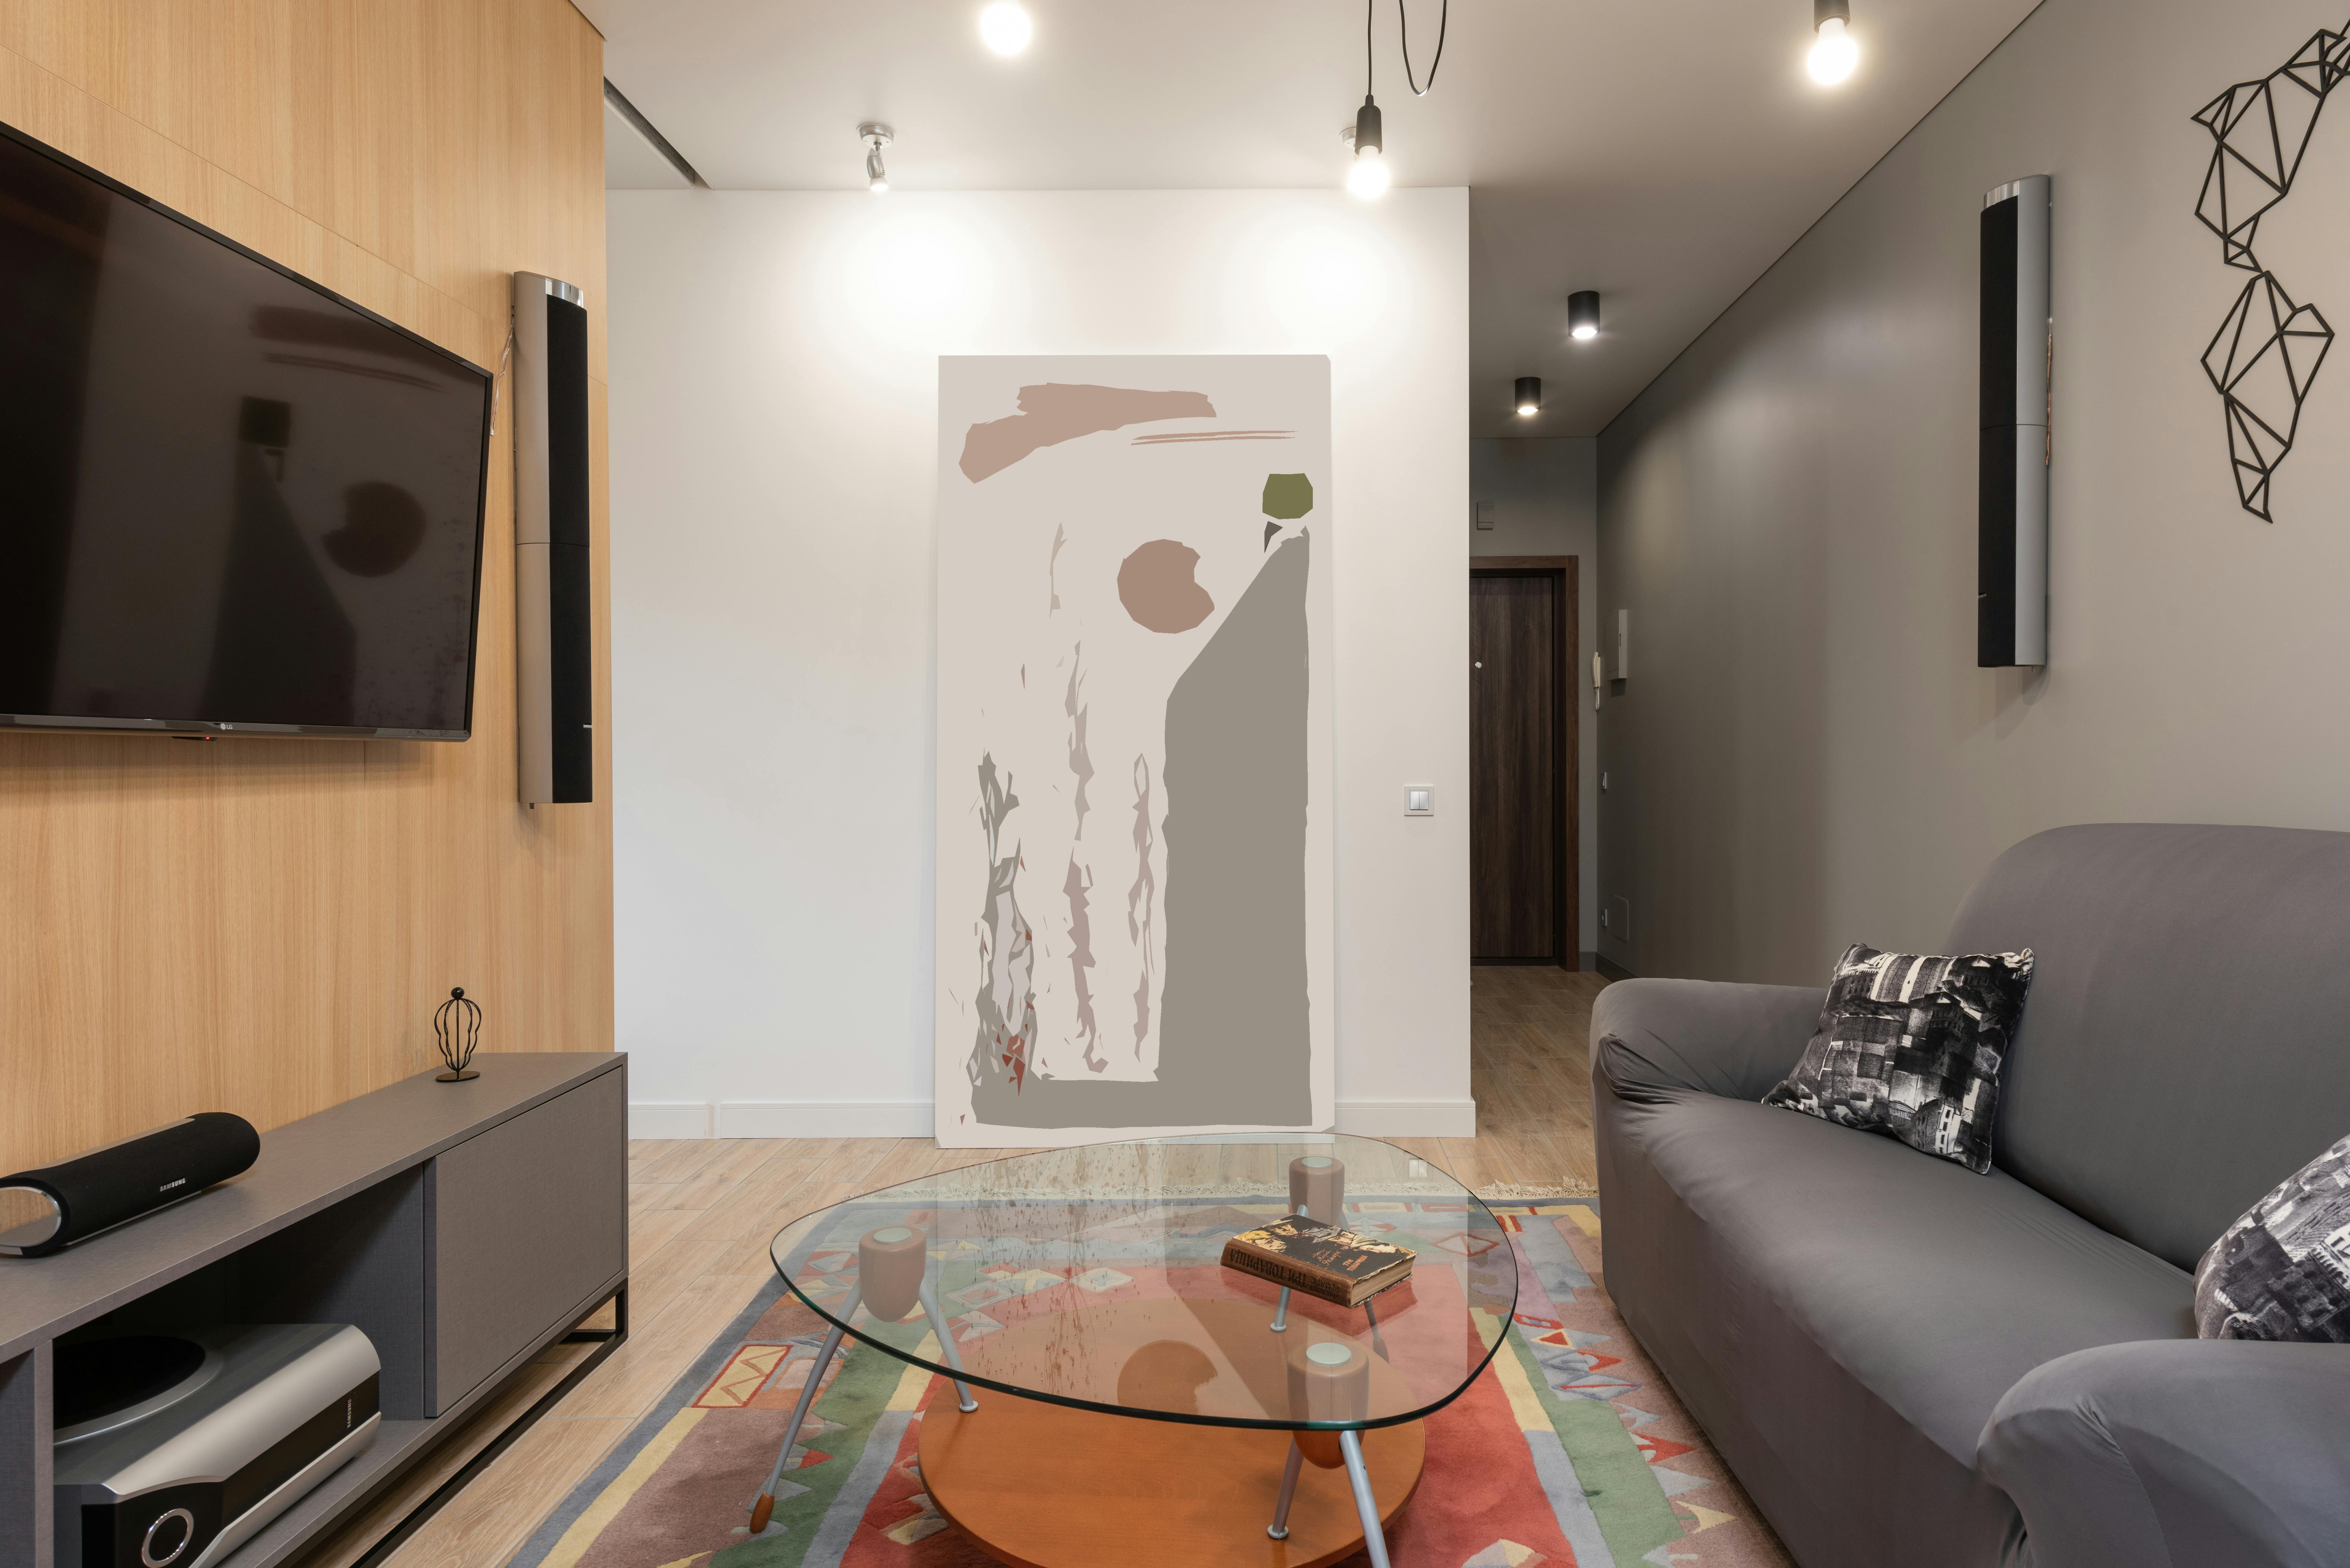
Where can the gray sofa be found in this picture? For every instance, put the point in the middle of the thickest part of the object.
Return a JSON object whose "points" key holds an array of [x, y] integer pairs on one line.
{"points": [[1908, 1363]]}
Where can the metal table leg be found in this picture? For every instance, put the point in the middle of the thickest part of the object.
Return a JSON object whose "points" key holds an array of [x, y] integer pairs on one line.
{"points": [[764, 1507], [1366, 1507], [1281, 1313], [964, 1401], [1279, 1528]]}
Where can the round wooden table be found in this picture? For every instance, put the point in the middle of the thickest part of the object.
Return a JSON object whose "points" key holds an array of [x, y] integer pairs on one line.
{"points": [[1041, 1485]]}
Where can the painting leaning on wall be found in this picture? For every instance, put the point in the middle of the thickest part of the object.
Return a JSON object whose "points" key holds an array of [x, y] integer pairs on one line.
{"points": [[1134, 840]]}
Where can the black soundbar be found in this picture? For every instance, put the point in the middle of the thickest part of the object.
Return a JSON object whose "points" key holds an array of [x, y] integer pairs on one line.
{"points": [[118, 1182]]}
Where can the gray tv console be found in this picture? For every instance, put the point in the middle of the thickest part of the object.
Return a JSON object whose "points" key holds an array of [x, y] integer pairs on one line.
{"points": [[463, 1227]]}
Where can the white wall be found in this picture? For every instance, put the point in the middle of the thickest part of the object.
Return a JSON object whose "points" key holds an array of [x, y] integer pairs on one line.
{"points": [[1806, 756], [772, 438], [1544, 491]]}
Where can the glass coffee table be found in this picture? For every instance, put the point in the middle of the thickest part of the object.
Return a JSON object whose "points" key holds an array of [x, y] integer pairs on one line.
{"points": [[1107, 1391]]}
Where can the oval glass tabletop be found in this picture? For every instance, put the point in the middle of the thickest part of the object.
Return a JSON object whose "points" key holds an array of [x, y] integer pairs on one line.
{"points": [[1092, 1277]]}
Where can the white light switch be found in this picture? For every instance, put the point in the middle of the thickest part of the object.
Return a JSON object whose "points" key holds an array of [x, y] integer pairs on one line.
{"points": [[1418, 800], [1485, 515]]}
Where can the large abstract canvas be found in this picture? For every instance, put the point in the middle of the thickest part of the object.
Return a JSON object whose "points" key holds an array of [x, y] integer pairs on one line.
{"points": [[1134, 837]]}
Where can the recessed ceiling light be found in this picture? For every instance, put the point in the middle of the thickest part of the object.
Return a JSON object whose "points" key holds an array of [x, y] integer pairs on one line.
{"points": [[1005, 27], [1834, 54]]}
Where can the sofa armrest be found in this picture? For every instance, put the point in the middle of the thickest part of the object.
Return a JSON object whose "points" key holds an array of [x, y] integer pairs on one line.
{"points": [[1652, 1037], [2179, 1453]]}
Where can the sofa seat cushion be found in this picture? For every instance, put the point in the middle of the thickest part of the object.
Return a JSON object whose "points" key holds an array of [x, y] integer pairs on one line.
{"points": [[1931, 1287]]}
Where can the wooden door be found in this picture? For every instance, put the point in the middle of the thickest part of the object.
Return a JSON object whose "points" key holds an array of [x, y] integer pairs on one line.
{"points": [[1521, 762]]}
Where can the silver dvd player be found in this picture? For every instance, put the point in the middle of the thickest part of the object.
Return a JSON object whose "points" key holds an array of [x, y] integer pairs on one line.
{"points": [[173, 1449]]}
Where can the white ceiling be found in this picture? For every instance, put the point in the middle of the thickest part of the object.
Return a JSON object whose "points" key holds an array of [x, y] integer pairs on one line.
{"points": [[1663, 152]]}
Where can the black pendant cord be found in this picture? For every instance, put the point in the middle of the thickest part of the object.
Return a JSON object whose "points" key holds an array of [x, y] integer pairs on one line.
{"points": [[1368, 75], [1403, 25]]}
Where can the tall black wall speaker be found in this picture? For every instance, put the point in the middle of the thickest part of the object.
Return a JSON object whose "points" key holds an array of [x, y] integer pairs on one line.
{"points": [[55, 1207], [2012, 572], [554, 640]]}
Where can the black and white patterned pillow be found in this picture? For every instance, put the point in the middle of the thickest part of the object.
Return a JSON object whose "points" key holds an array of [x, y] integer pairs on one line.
{"points": [[2282, 1271], [1911, 1046]]}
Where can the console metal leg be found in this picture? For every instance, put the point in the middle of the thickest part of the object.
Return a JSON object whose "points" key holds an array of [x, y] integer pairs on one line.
{"points": [[1281, 1313], [1279, 1528], [1366, 1507], [764, 1506], [964, 1401]]}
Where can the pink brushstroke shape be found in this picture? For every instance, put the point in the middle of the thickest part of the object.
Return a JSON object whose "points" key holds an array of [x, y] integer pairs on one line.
{"points": [[1055, 412]]}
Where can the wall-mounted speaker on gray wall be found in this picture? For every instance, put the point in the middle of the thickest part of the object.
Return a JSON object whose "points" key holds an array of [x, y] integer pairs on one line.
{"points": [[2018, 344], [554, 639]]}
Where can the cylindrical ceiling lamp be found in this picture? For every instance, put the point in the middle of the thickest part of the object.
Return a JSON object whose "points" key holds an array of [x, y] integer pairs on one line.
{"points": [[1583, 313], [1833, 55], [1529, 396]]}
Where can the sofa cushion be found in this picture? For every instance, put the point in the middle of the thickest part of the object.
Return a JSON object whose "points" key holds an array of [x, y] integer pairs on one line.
{"points": [[1931, 1287], [1911, 1046], [2182, 1051], [2282, 1271]]}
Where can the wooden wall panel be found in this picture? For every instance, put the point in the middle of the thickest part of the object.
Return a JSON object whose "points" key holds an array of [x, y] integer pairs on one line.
{"points": [[265, 926]]}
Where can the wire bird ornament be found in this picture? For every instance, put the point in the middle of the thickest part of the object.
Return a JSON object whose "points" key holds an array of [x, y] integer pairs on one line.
{"points": [[457, 1025], [2264, 357]]}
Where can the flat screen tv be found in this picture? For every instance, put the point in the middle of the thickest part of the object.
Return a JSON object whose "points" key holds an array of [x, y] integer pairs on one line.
{"points": [[231, 501]]}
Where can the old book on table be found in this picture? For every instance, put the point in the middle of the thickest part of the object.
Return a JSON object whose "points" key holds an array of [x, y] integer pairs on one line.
{"points": [[1319, 1259]]}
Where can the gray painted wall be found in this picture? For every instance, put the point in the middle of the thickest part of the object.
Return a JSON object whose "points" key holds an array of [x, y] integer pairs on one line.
{"points": [[1805, 755], [1545, 496]]}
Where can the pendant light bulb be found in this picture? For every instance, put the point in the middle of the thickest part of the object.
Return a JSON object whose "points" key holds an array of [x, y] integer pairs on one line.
{"points": [[1834, 54], [1368, 176], [1005, 27], [875, 136]]}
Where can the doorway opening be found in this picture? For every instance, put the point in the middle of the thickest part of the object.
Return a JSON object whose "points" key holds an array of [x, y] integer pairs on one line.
{"points": [[1523, 828]]}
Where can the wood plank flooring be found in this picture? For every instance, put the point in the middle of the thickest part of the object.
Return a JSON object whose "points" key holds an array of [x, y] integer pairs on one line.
{"points": [[701, 1211]]}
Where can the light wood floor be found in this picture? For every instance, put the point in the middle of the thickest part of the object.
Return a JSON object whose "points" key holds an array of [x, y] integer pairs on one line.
{"points": [[702, 1210]]}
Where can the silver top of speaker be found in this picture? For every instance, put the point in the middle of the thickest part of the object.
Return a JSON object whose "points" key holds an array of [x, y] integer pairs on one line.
{"points": [[569, 292], [2014, 188]]}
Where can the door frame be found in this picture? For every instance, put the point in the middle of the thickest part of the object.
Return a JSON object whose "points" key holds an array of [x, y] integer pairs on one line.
{"points": [[1566, 806]]}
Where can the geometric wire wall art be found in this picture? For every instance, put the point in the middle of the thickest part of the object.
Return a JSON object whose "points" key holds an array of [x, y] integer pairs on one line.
{"points": [[2265, 356]]}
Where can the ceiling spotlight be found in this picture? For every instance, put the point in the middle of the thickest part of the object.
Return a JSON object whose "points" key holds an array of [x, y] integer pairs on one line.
{"points": [[1529, 396], [1583, 313], [876, 137], [1834, 55], [1005, 27]]}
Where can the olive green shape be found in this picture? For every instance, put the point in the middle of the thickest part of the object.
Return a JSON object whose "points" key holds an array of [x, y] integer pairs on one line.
{"points": [[1288, 495]]}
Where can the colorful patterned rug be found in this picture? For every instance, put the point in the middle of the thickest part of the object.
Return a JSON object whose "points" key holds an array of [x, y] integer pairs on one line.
{"points": [[1568, 1449]]}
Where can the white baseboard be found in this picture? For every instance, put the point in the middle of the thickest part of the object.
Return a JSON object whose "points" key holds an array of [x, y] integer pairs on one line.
{"points": [[825, 1119], [1408, 1118], [670, 1118]]}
